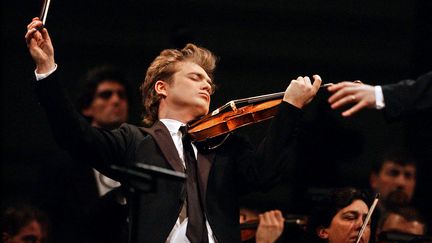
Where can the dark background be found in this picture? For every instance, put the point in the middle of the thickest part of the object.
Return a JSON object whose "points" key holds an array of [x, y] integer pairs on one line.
{"points": [[262, 45]]}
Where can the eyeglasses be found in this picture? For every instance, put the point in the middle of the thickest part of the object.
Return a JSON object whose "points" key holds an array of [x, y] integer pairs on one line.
{"points": [[106, 94]]}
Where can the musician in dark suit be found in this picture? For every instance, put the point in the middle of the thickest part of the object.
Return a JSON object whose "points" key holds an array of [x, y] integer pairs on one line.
{"points": [[176, 90]]}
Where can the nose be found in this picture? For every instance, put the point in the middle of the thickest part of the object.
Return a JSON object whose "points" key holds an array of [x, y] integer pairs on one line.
{"points": [[400, 181], [115, 98], [207, 87], [359, 223]]}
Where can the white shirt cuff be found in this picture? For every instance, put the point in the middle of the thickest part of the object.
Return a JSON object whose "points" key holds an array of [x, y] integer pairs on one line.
{"points": [[379, 98], [40, 76]]}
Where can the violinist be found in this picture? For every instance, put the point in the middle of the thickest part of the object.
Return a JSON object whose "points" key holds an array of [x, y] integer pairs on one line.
{"points": [[176, 90], [339, 219]]}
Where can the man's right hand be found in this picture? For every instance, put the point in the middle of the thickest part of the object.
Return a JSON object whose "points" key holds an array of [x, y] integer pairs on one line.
{"points": [[357, 93], [40, 46]]}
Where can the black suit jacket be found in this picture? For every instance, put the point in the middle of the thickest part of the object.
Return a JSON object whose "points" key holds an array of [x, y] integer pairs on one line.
{"points": [[226, 172], [408, 97]]}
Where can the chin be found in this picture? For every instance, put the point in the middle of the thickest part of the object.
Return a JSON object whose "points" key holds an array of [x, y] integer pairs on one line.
{"points": [[201, 114], [202, 110]]}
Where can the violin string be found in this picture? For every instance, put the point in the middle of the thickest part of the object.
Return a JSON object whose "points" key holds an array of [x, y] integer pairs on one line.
{"points": [[250, 100], [254, 99], [258, 98]]}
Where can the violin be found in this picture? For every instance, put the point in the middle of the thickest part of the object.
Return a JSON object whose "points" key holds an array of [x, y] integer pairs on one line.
{"points": [[248, 229], [221, 122]]}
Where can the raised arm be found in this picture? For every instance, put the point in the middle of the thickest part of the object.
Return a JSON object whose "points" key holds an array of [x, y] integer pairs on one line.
{"points": [[96, 147], [40, 46], [263, 168]]}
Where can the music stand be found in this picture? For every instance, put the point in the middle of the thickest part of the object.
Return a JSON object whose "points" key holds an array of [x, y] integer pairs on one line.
{"points": [[138, 179]]}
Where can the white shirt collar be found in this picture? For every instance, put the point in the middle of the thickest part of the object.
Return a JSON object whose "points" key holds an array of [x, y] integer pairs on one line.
{"points": [[172, 125]]}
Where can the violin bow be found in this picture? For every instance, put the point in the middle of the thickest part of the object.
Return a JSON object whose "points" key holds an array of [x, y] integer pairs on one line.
{"points": [[44, 11], [254, 99], [368, 216]]}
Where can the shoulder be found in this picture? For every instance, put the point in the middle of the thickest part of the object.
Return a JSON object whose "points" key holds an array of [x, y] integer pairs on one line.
{"points": [[131, 130]]}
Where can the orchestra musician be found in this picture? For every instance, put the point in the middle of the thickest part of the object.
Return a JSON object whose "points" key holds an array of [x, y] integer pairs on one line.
{"points": [[339, 219], [176, 90]]}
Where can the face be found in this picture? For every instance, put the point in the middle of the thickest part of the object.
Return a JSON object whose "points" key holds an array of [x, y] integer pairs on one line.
{"points": [[187, 97], [346, 224], [31, 233], [109, 107], [397, 223], [395, 182]]}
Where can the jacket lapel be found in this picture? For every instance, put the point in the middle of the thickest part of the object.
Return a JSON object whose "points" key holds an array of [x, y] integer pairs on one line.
{"points": [[165, 143], [162, 136]]}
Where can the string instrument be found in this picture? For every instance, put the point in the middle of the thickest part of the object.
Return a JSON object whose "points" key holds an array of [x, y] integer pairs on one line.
{"points": [[248, 229], [230, 117]]}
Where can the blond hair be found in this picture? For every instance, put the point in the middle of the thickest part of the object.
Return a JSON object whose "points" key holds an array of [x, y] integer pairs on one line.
{"points": [[163, 68]]}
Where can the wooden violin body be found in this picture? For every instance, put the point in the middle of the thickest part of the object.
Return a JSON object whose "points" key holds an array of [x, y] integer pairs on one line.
{"points": [[223, 123]]}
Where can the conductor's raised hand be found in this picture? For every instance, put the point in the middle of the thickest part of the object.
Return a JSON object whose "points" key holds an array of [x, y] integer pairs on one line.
{"points": [[301, 91], [40, 46]]}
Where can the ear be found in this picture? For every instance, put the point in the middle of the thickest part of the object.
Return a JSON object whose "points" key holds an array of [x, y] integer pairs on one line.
{"points": [[161, 88], [322, 232]]}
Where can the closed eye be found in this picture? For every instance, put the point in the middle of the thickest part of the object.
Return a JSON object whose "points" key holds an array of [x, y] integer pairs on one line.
{"points": [[194, 78], [350, 216], [197, 77]]}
